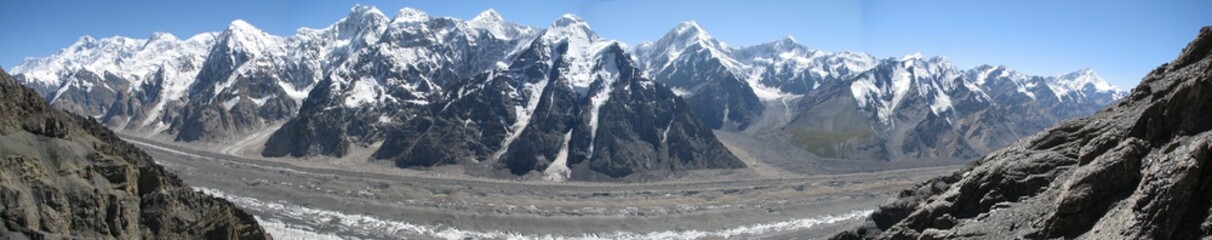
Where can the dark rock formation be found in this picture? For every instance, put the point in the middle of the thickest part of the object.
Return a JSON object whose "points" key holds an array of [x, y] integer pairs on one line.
{"points": [[1139, 169], [66, 177]]}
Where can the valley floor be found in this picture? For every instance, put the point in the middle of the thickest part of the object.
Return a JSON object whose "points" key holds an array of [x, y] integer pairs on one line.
{"points": [[301, 201]]}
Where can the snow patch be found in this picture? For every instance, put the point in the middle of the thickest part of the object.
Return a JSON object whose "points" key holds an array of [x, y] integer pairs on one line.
{"points": [[230, 103], [607, 76], [533, 93], [365, 90], [558, 170], [680, 92]]}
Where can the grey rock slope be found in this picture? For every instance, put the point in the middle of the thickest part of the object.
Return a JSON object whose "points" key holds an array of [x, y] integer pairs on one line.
{"points": [[66, 177], [1138, 169]]}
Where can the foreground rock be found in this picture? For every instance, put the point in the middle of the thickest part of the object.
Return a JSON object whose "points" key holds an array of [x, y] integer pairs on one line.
{"points": [[63, 176], [1136, 170]]}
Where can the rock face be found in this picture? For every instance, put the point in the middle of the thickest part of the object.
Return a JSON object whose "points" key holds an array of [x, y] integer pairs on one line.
{"points": [[394, 79], [64, 176], [691, 61], [569, 106], [1139, 169]]}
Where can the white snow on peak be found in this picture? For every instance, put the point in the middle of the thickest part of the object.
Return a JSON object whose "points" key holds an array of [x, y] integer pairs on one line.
{"points": [[136, 60], [410, 15], [911, 57], [570, 27], [244, 37], [790, 39], [363, 16], [1087, 77], [1081, 82], [685, 39], [690, 29], [932, 80], [488, 16], [162, 36], [496, 25], [241, 25], [359, 9], [583, 49], [569, 20]]}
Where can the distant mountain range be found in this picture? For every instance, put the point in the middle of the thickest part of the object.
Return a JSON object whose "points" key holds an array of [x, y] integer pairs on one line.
{"points": [[1137, 169], [558, 102]]}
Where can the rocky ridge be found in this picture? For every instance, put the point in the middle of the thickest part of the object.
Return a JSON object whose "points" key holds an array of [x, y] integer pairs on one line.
{"points": [[1138, 169], [65, 176]]}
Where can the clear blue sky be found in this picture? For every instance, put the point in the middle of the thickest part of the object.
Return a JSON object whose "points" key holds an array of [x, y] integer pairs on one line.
{"points": [[1122, 40]]}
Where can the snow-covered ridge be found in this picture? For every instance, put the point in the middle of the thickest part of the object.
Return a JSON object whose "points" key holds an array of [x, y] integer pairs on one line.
{"points": [[123, 56], [776, 71]]}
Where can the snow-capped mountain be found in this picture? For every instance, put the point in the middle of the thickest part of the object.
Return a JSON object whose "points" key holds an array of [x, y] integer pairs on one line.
{"points": [[916, 108], [699, 68], [853, 106], [570, 105], [392, 80], [559, 102], [785, 66], [89, 76]]}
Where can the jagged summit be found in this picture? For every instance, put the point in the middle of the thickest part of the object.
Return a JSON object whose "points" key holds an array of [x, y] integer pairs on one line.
{"points": [[569, 20], [573, 29], [489, 15], [1086, 77], [689, 28], [365, 13], [85, 38], [790, 40], [408, 14], [241, 25], [162, 36], [916, 56]]}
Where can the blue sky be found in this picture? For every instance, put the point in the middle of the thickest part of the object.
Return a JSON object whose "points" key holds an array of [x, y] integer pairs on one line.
{"points": [[1122, 40]]}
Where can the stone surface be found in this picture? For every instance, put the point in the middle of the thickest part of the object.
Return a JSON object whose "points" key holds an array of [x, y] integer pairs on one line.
{"points": [[66, 177], [1138, 169]]}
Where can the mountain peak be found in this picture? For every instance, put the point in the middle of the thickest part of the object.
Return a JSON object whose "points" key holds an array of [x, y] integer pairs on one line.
{"points": [[690, 27], [240, 24], [408, 14], [1082, 73], [363, 11], [569, 27], [790, 39], [162, 36], [1086, 77], [86, 39], [912, 57], [489, 15], [568, 20]]}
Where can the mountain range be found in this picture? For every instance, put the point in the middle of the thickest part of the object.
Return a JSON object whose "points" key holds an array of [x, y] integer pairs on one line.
{"points": [[556, 103], [1136, 169]]}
